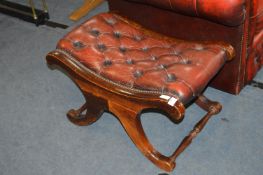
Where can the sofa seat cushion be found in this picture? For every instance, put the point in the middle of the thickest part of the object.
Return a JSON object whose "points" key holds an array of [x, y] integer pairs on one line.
{"points": [[226, 12], [124, 53]]}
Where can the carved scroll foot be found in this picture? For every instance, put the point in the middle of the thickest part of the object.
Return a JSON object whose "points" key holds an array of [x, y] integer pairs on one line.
{"points": [[92, 109], [131, 122]]}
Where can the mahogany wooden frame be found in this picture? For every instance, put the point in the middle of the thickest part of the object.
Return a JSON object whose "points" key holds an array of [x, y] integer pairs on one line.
{"points": [[127, 104]]}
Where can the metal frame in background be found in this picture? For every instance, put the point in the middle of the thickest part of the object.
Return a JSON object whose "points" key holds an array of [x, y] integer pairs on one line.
{"points": [[29, 13]]}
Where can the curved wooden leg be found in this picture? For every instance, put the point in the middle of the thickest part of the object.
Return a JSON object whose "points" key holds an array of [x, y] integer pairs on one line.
{"points": [[131, 122], [94, 108]]}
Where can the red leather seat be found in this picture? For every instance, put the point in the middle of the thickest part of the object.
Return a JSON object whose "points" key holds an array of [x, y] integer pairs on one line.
{"points": [[125, 69], [237, 22], [124, 53]]}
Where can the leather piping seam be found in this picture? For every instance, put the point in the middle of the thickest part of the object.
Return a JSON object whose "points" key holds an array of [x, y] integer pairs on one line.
{"points": [[240, 58]]}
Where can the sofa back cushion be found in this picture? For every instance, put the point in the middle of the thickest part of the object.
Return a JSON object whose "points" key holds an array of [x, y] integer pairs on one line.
{"points": [[227, 12]]}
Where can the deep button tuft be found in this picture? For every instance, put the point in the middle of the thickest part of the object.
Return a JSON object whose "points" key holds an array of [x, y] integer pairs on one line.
{"points": [[129, 61], [137, 38], [117, 34], [145, 48], [177, 53], [110, 21], [187, 61], [171, 77], [137, 73], [162, 66], [199, 47], [101, 47], [153, 58], [107, 62], [119, 51], [78, 44], [122, 49], [95, 32]]}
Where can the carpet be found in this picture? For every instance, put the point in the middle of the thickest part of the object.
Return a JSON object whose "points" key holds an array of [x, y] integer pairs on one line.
{"points": [[37, 139]]}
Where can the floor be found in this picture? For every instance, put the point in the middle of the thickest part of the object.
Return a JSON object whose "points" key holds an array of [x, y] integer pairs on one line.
{"points": [[37, 139]]}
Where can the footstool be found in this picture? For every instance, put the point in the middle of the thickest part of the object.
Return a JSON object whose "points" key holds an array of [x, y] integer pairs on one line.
{"points": [[123, 68]]}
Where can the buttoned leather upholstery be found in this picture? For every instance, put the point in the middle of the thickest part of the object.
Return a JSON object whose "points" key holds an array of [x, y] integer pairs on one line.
{"points": [[226, 12], [185, 19], [125, 53], [255, 60]]}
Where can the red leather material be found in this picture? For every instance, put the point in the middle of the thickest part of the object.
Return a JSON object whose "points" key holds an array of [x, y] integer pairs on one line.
{"points": [[259, 23], [228, 12], [125, 53], [255, 60], [258, 38], [230, 79], [259, 17], [245, 38], [259, 8]]}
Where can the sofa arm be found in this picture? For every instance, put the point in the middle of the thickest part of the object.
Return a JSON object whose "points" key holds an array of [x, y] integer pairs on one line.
{"points": [[231, 13]]}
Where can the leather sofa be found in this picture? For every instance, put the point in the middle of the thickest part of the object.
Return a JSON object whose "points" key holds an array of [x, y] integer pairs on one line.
{"points": [[237, 22]]}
